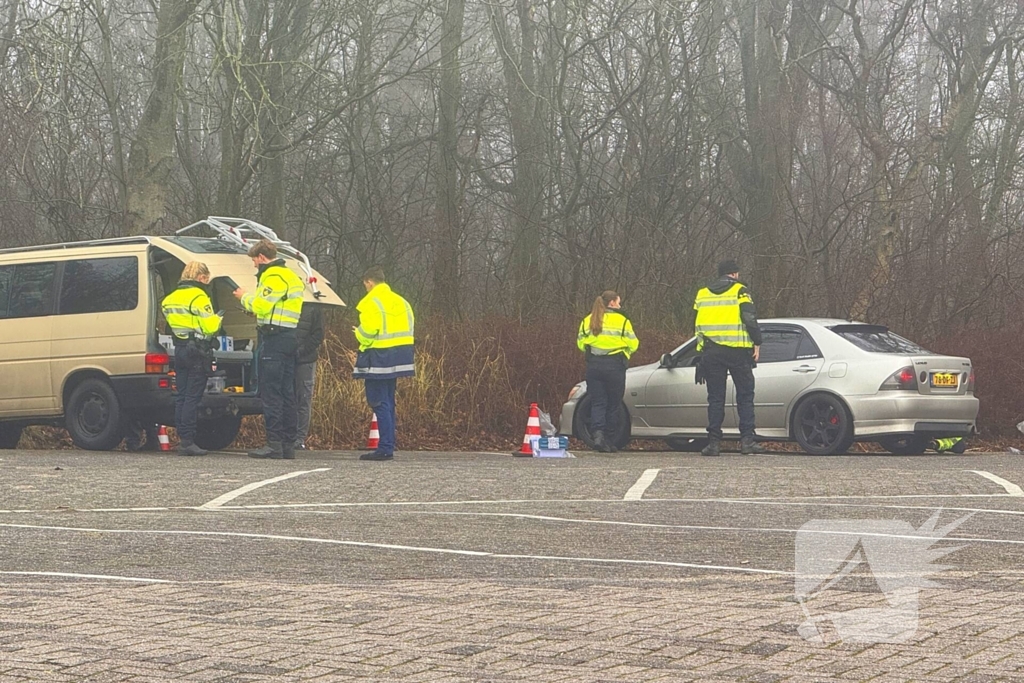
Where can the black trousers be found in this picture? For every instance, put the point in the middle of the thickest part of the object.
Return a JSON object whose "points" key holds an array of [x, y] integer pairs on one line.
{"points": [[606, 384], [717, 363], [191, 369], [277, 361]]}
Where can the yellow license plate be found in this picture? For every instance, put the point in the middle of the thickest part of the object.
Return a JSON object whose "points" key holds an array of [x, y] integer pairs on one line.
{"points": [[945, 379]]}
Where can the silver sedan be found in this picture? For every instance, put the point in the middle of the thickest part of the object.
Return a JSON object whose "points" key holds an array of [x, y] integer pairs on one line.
{"points": [[822, 383]]}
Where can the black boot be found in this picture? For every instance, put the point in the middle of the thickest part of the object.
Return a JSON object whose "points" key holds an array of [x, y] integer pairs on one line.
{"points": [[713, 448], [272, 451], [189, 448], [750, 447], [288, 450], [377, 456], [600, 444]]}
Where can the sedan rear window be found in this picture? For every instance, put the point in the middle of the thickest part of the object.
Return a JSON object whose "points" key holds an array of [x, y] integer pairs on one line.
{"points": [[876, 339]]}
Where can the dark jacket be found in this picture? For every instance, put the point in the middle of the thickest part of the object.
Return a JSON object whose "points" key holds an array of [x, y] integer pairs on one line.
{"points": [[310, 333], [748, 314]]}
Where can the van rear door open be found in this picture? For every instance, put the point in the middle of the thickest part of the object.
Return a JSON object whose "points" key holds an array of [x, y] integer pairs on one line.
{"points": [[226, 260]]}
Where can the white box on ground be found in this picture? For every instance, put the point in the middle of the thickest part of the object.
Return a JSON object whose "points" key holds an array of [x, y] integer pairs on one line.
{"points": [[550, 447]]}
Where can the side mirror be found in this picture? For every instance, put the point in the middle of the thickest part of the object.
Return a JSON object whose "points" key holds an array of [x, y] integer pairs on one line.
{"points": [[666, 360]]}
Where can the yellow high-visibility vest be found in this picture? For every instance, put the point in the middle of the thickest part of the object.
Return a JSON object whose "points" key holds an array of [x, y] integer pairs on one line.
{"points": [[189, 312], [385, 320], [617, 336], [719, 319], [278, 300]]}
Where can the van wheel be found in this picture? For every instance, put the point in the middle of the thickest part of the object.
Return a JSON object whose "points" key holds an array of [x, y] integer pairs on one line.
{"points": [[218, 434], [93, 416], [10, 435]]}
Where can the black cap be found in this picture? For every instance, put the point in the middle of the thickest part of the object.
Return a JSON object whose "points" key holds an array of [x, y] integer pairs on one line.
{"points": [[728, 267]]}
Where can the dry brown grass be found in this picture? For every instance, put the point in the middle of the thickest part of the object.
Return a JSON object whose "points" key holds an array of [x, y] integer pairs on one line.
{"points": [[475, 381]]}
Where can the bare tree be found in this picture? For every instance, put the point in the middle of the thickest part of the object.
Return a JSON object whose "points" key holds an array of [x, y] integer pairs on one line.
{"points": [[151, 159]]}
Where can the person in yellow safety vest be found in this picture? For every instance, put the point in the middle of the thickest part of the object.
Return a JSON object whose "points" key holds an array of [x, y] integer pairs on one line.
{"points": [[386, 336], [194, 325], [951, 444], [729, 340], [277, 305], [606, 336]]}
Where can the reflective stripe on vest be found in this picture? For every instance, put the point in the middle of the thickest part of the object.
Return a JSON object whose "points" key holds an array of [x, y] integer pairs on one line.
{"points": [[189, 313], [616, 336], [286, 310], [381, 322], [384, 334], [719, 319]]}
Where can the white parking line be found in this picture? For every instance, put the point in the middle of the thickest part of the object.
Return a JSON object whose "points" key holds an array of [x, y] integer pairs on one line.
{"points": [[636, 492], [742, 529], [72, 575], [776, 500], [231, 495], [392, 546], [1011, 488]]}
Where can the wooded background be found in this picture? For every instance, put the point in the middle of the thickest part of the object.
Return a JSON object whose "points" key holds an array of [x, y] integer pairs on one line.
{"points": [[862, 158]]}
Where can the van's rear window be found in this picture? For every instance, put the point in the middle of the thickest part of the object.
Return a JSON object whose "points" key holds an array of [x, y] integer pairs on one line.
{"points": [[206, 245], [877, 339]]}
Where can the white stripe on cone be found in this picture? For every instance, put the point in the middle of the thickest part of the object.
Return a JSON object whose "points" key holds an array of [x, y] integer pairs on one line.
{"points": [[374, 439], [165, 441]]}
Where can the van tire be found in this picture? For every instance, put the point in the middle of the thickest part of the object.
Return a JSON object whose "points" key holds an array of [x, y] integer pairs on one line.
{"points": [[10, 435], [219, 433], [93, 416]]}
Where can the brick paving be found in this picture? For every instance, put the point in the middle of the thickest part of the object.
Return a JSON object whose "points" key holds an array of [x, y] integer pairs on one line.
{"points": [[259, 608], [709, 629]]}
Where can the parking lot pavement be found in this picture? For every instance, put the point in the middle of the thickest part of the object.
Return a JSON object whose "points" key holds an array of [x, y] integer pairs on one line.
{"points": [[483, 567]]}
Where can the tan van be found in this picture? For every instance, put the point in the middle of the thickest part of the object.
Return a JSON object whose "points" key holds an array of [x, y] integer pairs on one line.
{"points": [[81, 332]]}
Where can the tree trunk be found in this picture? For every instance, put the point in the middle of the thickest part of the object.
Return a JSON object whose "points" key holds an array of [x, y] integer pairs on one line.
{"points": [[151, 160], [447, 221], [527, 114], [284, 48]]}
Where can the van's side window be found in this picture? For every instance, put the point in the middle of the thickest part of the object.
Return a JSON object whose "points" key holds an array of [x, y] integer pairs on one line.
{"points": [[100, 285], [31, 293], [6, 280]]}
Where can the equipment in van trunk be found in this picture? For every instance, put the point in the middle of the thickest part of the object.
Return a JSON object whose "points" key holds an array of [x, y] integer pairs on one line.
{"points": [[80, 332]]}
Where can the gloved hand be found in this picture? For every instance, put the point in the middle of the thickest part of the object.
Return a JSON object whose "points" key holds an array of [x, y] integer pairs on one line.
{"points": [[698, 375]]}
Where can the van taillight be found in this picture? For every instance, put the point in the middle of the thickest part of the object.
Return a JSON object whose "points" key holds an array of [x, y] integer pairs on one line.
{"points": [[158, 363], [901, 379]]}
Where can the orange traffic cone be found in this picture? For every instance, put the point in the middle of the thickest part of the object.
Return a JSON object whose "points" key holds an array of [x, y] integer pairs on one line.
{"points": [[165, 441], [532, 429], [374, 439]]}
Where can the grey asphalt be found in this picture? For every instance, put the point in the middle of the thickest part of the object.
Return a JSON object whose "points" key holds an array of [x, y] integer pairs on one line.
{"points": [[476, 566]]}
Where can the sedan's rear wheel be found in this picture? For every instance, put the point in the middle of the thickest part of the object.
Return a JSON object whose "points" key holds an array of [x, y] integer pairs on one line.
{"points": [[822, 425], [908, 444], [582, 425]]}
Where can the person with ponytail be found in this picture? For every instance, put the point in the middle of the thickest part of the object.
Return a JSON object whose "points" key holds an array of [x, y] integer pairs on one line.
{"points": [[606, 336]]}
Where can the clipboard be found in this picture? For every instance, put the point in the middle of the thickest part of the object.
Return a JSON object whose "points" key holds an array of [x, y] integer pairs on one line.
{"points": [[228, 281]]}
